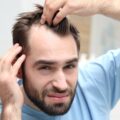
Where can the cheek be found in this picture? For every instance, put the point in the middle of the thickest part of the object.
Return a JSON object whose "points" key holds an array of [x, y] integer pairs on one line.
{"points": [[33, 80], [37, 81], [72, 78]]}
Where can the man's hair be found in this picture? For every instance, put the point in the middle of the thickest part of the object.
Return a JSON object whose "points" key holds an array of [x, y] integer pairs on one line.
{"points": [[26, 20]]}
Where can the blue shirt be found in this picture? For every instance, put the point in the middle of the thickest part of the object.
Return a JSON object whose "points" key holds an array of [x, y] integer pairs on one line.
{"points": [[98, 90]]}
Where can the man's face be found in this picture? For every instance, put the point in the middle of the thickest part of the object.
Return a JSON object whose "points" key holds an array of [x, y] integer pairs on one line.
{"points": [[50, 70]]}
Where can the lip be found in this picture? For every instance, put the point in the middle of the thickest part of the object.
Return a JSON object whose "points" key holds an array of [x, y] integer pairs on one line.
{"points": [[58, 97]]}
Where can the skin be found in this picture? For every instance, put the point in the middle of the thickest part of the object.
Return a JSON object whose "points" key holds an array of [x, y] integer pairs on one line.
{"points": [[79, 7], [50, 65]]}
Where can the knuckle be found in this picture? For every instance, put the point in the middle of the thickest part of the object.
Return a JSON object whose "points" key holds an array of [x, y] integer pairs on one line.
{"points": [[47, 3], [70, 6], [8, 60], [5, 61], [50, 7], [4, 78], [43, 17]]}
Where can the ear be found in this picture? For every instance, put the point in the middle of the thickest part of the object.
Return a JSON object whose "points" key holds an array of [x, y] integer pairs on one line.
{"points": [[19, 75]]}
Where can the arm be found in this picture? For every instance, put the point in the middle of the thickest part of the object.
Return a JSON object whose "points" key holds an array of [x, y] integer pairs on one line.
{"points": [[79, 7], [100, 81], [111, 9], [10, 93]]}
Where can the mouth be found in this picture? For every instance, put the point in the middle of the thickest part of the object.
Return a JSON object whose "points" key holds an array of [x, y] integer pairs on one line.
{"points": [[58, 97]]}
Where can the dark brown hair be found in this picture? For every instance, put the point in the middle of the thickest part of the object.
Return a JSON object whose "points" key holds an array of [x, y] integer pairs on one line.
{"points": [[26, 20]]}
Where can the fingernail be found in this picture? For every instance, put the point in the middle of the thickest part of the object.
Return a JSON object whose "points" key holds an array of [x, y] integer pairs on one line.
{"points": [[24, 56], [42, 21]]}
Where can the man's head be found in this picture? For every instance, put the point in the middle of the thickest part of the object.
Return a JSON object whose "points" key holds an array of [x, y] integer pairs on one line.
{"points": [[50, 68]]}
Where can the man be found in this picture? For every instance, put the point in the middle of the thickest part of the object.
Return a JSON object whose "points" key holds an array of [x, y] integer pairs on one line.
{"points": [[97, 88], [46, 58]]}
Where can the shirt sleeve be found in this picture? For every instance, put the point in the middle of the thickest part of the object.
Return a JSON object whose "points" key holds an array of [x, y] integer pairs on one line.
{"points": [[100, 80]]}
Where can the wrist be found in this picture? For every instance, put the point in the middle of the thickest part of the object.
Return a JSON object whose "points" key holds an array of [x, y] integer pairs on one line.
{"points": [[11, 112], [106, 7], [12, 101]]}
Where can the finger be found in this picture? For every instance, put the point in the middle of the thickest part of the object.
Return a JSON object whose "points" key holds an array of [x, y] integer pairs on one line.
{"points": [[61, 15], [50, 8], [42, 20], [11, 55], [18, 64], [0, 63], [11, 50]]}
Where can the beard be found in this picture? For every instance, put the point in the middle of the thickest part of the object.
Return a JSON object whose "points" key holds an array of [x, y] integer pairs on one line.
{"points": [[38, 99]]}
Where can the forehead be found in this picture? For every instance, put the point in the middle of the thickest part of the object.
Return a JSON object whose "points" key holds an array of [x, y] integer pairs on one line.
{"points": [[44, 43]]}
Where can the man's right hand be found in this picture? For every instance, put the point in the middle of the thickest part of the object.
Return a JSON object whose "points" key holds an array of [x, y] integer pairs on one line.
{"points": [[10, 93]]}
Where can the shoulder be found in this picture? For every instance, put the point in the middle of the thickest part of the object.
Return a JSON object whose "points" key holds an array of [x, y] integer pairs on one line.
{"points": [[101, 73], [103, 70], [108, 61], [100, 78]]}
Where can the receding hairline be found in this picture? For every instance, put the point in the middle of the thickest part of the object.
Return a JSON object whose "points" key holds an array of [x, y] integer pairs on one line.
{"points": [[35, 28], [28, 19]]}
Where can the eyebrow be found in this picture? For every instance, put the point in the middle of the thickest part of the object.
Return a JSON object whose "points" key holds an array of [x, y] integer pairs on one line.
{"points": [[71, 61], [52, 62]]}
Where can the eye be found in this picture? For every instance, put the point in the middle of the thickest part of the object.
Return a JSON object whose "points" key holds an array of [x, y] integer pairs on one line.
{"points": [[45, 68], [70, 66]]}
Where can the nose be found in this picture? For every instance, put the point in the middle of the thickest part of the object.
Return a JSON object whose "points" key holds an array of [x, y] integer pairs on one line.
{"points": [[60, 81]]}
